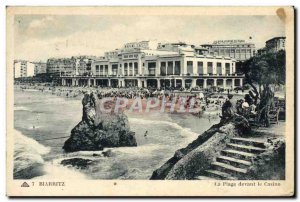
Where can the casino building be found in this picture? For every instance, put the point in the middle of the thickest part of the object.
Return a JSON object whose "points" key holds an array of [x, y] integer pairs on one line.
{"points": [[146, 64]]}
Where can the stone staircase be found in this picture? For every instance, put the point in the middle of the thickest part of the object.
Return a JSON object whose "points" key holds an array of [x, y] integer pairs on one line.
{"points": [[234, 160]]}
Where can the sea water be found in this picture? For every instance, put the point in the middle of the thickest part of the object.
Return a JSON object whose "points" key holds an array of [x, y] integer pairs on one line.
{"points": [[40, 117]]}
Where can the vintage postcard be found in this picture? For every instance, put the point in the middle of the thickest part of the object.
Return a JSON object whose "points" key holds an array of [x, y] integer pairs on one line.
{"points": [[150, 101]]}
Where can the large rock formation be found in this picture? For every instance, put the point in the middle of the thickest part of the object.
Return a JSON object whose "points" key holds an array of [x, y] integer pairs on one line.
{"points": [[99, 129], [269, 165], [190, 161]]}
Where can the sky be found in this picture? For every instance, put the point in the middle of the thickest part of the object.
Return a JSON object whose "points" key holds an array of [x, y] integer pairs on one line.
{"points": [[39, 37]]}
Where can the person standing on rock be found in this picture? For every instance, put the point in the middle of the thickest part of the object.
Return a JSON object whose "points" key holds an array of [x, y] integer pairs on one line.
{"points": [[89, 109], [93, 99]]}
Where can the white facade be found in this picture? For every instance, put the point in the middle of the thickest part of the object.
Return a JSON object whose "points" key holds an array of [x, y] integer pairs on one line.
{"points": [[181, 66], [30, 69], [17, 70], [23, 69]]}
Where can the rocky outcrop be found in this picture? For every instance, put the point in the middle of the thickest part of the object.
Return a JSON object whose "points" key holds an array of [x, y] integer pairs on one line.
{"points": [[99, 129], [190, 161], [78, 163], [269, 165]]}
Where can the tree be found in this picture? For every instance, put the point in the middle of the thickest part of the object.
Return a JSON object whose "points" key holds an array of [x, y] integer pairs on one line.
{"points": [[260, 73]]}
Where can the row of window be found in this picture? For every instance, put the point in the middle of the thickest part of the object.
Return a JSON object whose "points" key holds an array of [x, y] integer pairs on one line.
{"points": [[209, 67], [233, 50], [130, 56], [238, 46], [167, 68], [101, 68], [130, 64]]}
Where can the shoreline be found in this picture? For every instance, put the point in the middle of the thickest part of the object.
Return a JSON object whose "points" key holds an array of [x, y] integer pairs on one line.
{"points": [[132, 151], [183, 136], [211, 110]]}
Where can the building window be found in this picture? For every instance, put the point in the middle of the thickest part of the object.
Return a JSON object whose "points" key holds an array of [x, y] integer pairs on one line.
{"points": [[106, 70], [219, 68], [163, 68], [227, 67], [189, 65], [210, 68], [170, 68], [130, 71], [200, 67], [101, 70], [135, 68], [177, 68], [151, 68], [114, 69], [126, 69]]}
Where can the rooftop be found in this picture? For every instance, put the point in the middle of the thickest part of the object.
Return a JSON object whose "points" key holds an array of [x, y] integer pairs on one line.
{"points": [[275, 38]]}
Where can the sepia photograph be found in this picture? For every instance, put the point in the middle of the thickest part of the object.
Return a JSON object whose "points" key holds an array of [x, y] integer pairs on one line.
{"points": [[137, 97]]}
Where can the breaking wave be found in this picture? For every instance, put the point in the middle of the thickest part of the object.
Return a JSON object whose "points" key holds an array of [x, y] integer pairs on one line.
{"points": [[29, 163], [56, 171]]}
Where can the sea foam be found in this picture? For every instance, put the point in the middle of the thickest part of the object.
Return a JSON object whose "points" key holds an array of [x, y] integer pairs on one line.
{"points": [[28, 161]]}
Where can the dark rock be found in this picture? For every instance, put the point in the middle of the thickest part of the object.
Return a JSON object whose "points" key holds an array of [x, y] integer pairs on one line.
{"points": [[29, 172], [241, 123], [269, 165], [108, 153], [99, 129], [77, 163]]}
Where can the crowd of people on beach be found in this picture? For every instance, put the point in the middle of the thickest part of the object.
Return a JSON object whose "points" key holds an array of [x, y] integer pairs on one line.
{"points": [[211, 109]]}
